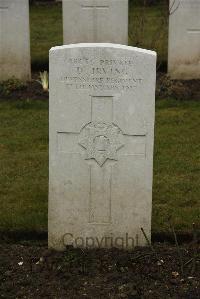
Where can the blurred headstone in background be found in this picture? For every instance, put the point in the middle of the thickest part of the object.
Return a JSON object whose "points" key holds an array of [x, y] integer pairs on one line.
{"points": [[184, 39], [14, 40], [95, 21]]}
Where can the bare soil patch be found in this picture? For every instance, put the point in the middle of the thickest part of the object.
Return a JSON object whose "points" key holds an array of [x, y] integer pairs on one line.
{"points": [[30, 270]]}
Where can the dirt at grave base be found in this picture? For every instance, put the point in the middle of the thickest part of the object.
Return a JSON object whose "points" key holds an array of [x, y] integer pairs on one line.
{"points": [[33, 271]]}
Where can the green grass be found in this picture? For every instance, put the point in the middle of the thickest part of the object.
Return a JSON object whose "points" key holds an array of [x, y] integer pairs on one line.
{"points": [[46, 32], [147, 28], [176, 189], [24, 165]]}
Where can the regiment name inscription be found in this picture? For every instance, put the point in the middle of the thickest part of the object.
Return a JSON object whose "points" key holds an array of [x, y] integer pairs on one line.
{"points": [[94, 74]]}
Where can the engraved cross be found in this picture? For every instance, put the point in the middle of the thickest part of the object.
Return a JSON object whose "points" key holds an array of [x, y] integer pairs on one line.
{"points": [[102, 140], [193, 31], [96, 9], [4, 5]]}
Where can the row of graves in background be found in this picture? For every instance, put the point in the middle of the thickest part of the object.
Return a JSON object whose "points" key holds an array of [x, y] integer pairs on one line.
{"points": [[99, 21]]}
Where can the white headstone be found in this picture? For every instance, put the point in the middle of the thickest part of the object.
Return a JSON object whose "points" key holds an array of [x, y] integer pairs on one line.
{"points": [[184, 39], [101, 144], [95, 21], [14, 39]]}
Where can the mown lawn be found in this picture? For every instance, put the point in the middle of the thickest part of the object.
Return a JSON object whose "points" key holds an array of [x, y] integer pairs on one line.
{"points": [[46, 32], [24, 165], [148, 28]]}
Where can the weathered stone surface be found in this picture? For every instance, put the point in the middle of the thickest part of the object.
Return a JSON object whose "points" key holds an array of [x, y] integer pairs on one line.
{"points": [[95, 21], [184, 39], [14, 39], [101, 145]]}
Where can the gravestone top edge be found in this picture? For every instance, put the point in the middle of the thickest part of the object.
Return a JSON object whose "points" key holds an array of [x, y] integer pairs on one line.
{"points": [[103, 45]]}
